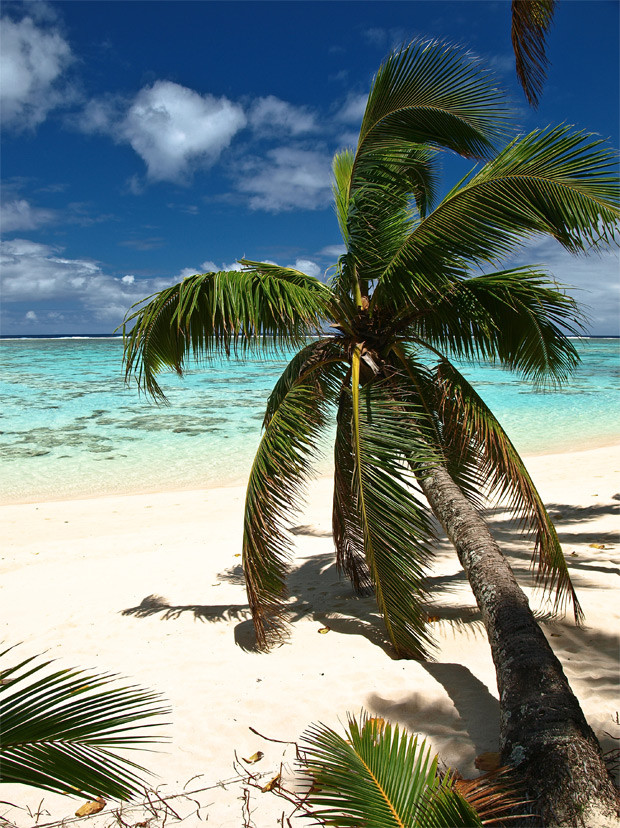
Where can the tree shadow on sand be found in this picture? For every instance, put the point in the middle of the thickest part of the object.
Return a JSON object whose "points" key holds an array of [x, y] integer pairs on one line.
{"points": [[316, 591], [518, 547], [471, 719]]}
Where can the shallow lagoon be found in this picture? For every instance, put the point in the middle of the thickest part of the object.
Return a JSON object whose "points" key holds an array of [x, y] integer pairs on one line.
{"points": [[71, 427]]}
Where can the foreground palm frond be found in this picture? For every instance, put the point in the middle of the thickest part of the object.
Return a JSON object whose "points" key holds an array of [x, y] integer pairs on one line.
{"points": [[379, 776], [518, 317], [531, 20], [395, 525], [431, 93], [277, 480], [61, 729], [261, 309], [347, 529]]}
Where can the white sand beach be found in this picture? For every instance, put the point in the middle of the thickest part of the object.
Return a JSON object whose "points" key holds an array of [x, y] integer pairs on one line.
{"points": [[150, 586]]}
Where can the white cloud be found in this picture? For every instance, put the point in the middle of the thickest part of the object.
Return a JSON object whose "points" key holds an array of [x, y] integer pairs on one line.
{"points": [[37, 271], [99, 115], [32, 61], [272, 115], [173, 128], [333, 251], [353, 109], [31, 317], [288, 178], [593, 281], [206, 267], [309, 267], [19, 214]]}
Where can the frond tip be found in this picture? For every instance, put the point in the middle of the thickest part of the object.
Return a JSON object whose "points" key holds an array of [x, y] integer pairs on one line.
{"points": [[531, 20], [60, 730]]}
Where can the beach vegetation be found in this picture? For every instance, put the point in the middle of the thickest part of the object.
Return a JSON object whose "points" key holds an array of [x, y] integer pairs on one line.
{"points": [[424, 284], [379, 776], [62, 729]]}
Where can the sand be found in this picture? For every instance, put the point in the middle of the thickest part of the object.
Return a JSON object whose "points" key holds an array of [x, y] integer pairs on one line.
{"points": [[150, 586]]}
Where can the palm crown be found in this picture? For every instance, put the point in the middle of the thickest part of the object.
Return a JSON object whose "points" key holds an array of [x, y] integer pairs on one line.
{"points": [[401, 306]]}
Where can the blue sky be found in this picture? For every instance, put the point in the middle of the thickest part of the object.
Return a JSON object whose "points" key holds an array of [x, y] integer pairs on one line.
{"points": [[143, 141]]}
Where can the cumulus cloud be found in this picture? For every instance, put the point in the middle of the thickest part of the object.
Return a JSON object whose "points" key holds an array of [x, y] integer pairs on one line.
{"points": [[172, 128], [32, 270], [207, 267], [33, 58], [333, 251], [271, 115], [287, 178], [19, 214]]}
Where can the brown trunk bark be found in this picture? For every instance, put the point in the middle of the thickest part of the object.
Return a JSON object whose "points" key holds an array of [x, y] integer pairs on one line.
{"points": [[543, 732]]}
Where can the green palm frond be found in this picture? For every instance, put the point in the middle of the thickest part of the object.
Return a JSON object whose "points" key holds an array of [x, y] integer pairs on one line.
{"points": [[531, 20], [396, 526], [342, 167], [314, 357], [379, 776], [61, 729], [213, 313], [518, 317], [347, 530], [277, 481], [553, 182], [399, 188], [485, 459], [434, 94], [425, 96]]}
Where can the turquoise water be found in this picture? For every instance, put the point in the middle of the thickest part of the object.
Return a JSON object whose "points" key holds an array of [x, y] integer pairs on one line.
{"points": [[69, 427]]}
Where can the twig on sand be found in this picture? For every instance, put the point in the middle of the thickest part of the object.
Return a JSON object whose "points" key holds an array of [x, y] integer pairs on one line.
{"points": [[298, 753], [157, 805], [276, 785]]}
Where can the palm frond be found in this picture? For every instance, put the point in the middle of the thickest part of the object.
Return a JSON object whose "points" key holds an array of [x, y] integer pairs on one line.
{"points": [[430, 93], [379, 776], [347, 529], [315, 356], [342, 167], [275, 487], [483, 454], [396, 526], [260, 309], [531, 20], [399, 188], [60, 729], [518, 318], [552, 182]]}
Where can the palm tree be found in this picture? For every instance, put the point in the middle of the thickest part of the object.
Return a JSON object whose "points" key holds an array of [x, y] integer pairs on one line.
{"points": [[61, 729], [531, 20], [403, 305]]}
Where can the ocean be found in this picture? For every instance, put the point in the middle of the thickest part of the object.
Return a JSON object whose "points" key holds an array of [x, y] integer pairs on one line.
{"points": [[70, 427]]}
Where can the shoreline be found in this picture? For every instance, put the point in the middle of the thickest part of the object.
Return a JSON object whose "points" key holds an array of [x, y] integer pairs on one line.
{"points": [[149, 586], [605, 444]]}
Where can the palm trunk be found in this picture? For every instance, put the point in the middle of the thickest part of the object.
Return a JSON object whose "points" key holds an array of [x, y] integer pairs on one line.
{"points": [[543, 732]]}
